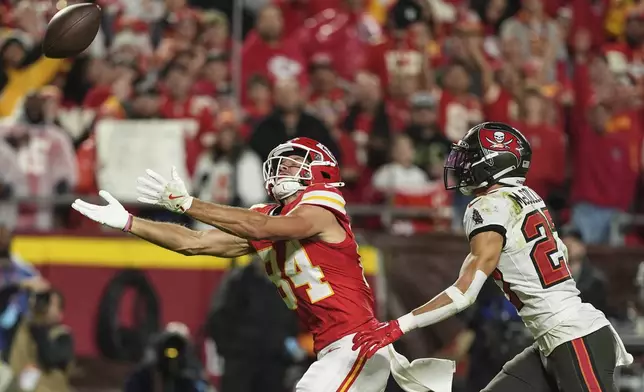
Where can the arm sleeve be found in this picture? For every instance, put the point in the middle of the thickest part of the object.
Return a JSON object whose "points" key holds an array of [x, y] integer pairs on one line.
{"points": [[487, 213]]}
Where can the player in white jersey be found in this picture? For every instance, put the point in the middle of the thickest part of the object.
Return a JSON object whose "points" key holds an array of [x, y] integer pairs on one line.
{"points": [[513, 239]]}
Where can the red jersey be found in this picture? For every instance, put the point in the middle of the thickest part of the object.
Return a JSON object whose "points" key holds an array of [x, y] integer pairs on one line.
{"points": [[283, 60], [549, 147], [499, 105], [324, 283]]}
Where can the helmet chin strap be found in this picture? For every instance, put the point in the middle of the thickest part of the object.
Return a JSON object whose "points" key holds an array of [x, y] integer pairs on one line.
{"points": [[285, 189]]}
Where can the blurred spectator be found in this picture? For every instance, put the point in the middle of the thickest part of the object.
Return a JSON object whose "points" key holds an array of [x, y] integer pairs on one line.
{"points": [[548, 142], [459, 110], [431, 146], [229, 173], [343, 33], [131, 40], [327, 100], [539, 38], [23, 70], [143, 102], [289, 120], [401, 175], [214, 36], [45, 155], [18, 280], [368, 122], [13, 183], [268, 53], [405, 184], [112, 81], [591, 282], [607, 140], [170, 365], [42, 350], [259, 103], [180, 34], [625, 56], [214, 80], [466, 46], [180, 103], [403, 59], [254, 332]]}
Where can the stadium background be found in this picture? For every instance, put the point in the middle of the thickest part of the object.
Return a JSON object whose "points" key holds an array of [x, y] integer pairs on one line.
{"points": [[212, 86]]}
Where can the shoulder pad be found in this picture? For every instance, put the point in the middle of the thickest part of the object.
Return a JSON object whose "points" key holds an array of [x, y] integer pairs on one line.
{"points": [[324, 196]]}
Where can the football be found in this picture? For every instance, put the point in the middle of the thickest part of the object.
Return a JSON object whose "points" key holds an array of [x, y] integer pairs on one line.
{"points": [[71, 30]]}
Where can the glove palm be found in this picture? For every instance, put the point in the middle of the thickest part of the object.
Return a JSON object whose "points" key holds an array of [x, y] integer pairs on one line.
{"points": [[156, 190], [113, 214]]}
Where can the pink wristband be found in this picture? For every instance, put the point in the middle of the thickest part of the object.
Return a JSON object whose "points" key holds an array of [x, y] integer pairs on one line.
{"points": [[128, 225]]}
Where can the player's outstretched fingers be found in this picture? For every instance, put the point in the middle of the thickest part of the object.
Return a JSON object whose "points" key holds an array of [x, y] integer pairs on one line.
{"points": [[84, 205], [91, 214], [175, 174], [147, 183], [157, 177], [108, 197], [147, 192]]}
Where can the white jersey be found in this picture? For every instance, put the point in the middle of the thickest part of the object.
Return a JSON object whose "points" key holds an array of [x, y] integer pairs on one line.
{"points": [[532, 270]]}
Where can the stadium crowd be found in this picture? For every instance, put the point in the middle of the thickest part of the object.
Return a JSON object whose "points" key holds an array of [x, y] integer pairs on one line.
{"points": [[386, 85]]}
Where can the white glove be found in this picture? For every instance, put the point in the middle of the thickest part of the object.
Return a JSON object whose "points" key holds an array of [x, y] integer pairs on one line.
{"points": [[112, 215], [156, 190]]}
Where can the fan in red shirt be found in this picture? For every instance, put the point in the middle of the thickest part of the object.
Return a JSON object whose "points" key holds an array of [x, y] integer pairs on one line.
{"points": [[458, 109], [260, 101], [179, 103], [407, 54], [548, 143], [606, 142], [343, 34], [326, 100], [215, 76], [268, 53]]}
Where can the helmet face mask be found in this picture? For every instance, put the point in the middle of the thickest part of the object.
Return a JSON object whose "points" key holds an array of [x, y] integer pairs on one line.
{"points": [[490, 153]]}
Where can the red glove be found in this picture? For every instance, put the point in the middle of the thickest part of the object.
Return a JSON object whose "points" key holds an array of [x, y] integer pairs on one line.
{"points": [[372, 340]]}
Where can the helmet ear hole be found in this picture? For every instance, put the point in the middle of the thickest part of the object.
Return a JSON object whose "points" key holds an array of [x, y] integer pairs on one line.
{"points": [[326, 175]]}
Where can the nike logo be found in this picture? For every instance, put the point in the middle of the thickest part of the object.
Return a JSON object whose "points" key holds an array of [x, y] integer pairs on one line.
{"points": [[172, 197]]}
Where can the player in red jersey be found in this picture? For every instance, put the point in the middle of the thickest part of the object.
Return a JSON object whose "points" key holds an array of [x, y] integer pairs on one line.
{"points": [[306, 242]]}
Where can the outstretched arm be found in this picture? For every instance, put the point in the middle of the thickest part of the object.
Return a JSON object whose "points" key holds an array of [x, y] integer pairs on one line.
{"points": [[485, 250], [189, 242], [170, 236], [303, 222]]}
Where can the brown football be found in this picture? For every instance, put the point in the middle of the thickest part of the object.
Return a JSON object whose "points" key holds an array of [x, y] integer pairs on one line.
{"points": [[71, 30]]}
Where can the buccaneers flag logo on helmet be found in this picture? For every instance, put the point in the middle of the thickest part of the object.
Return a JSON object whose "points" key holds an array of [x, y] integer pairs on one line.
{"points": [[500, 141]]}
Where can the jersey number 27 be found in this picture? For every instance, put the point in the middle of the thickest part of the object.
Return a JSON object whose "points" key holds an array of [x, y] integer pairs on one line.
{"points": [[546, 256]]}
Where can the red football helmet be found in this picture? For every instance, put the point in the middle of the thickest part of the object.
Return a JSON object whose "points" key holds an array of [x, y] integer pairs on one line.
{"points": [[316, 163]]}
